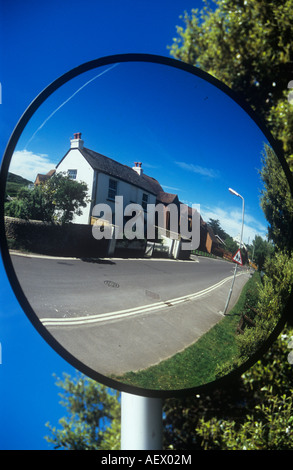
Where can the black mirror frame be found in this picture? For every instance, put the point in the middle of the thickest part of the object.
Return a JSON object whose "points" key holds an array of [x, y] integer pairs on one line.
{"points": [[32, 108]]}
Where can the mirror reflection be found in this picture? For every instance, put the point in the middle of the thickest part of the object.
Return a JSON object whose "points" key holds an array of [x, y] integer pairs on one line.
{"points": [[137, 217]]}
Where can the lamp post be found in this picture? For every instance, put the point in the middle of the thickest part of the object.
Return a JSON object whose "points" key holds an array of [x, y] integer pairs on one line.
{"points": [[232, 191], [239, 195]]}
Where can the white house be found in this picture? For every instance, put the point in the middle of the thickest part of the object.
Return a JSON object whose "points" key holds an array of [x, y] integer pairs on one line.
{"points": [[107, 178]]}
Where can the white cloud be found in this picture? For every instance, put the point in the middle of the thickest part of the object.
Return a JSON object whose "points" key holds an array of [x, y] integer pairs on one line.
{"points": [[28, 164], [231, 219], [170, 187], [200, 170]]}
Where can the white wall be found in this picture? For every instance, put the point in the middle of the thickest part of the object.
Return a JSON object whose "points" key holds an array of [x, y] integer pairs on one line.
{"points": [[131, 194], [75, 161]]}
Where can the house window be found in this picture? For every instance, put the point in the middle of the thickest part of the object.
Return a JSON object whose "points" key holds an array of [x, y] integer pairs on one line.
{"points": [[145, 199], [112, 191], [72, 174]]}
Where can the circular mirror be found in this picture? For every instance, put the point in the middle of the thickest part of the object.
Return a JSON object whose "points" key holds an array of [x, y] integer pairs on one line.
{"points": [[136, 228]]}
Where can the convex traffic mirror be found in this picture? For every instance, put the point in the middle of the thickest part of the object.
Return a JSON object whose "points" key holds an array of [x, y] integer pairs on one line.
{"points": [[136, 225]]}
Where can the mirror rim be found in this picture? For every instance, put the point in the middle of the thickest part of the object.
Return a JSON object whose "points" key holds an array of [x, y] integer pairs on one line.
{"points": [[12, 277]]}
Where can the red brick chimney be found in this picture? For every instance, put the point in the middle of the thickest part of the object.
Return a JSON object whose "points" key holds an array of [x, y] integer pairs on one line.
{"points": [[137, 168], [76, 142]]}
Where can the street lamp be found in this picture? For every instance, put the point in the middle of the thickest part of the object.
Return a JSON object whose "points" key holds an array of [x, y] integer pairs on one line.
{"points": [[232, 191]]}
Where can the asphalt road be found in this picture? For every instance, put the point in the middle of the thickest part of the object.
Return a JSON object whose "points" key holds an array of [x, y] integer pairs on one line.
{"points": [[73, 287], [117, 315]]}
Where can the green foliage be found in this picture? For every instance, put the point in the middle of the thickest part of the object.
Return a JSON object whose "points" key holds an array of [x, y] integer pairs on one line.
{"points": [[268, 425], [253, 413], [246, 343], [93, 420], [217, 229], [262, 250], [56, 200], [14, 184], [271, 431], [264, 305], [277, 285], [67, 195], [248, 46], [231, 245], [31, 204], [280, 119], [276, 201]]}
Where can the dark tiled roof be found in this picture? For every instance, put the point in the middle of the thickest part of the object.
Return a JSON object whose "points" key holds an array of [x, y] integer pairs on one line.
{"points": [[167, 198], [154, 184], [113, 168]]}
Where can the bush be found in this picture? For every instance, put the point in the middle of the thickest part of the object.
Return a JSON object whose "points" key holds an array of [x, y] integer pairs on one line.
{"points": [[56, 200], [273, 295], [269, 383], [268, 387]]}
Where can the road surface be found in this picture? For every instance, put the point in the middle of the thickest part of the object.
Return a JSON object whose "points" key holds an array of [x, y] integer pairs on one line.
{"points": [[117, 315]]}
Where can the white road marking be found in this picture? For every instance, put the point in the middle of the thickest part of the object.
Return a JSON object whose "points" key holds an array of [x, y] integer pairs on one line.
{"points": [[116, 315]]}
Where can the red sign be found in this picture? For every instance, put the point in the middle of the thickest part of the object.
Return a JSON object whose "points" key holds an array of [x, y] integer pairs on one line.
{"points": [[237, 257]]}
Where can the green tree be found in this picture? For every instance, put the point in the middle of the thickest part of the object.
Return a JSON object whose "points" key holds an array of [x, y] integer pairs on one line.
{"points": [[266, 420], [248, 46], [261, 251], [217, 229], [93, 416], [272, 296], [67, 195], [56, 200], [276, 201], [31, 204], [253, 413], [231, 245]]}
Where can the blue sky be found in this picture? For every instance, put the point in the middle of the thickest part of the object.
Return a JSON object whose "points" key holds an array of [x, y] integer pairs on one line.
{"points": [[189, 135], [197, 154]]}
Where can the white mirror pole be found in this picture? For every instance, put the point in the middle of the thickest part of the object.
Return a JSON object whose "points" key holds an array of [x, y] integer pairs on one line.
{"points": [[141, 422]]}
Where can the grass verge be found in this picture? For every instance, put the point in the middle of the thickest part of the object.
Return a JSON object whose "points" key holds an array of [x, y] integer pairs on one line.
{"points": [[197, 364]]}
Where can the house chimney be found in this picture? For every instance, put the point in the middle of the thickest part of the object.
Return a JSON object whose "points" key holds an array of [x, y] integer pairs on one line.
{"points": [[76, 142], [138, 168]]}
